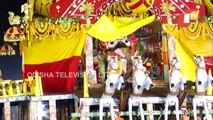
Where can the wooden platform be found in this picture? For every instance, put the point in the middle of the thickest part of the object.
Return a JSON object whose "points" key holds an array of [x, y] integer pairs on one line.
{"points": [[160, 89]]}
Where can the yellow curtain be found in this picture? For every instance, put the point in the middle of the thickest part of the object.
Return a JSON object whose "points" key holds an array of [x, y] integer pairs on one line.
{"points": [[197, 39], [186, 60]]}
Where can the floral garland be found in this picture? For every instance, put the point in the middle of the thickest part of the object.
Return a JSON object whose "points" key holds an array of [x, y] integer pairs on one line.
{"points": [[193, 31], [65, 27], [41, 27], [209, 29]]}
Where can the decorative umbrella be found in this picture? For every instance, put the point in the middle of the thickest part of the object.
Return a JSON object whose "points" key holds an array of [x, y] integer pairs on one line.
{"points": [[13, 34], [6, 49]]}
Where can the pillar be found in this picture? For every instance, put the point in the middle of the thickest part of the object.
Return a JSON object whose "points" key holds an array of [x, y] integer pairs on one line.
{"points": [[165, 57]]}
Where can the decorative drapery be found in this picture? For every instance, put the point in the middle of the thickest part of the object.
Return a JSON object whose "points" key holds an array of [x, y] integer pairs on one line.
{"points": [[44, 27], [56, 61], [41, 27], [107, 30], [197, 39]]}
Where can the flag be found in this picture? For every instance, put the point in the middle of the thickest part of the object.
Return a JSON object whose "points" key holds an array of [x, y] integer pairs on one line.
{"points": [[56, 61]]}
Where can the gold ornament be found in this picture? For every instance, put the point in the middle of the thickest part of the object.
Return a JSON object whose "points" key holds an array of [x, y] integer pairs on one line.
{"points": [[88, 8], [166, 8]]}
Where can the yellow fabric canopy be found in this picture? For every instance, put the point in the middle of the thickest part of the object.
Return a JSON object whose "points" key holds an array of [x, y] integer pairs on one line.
{"points": [[107, 30]]}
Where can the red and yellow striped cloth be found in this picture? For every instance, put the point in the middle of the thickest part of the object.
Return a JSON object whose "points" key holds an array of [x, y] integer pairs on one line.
{"points": [[55, 60]]}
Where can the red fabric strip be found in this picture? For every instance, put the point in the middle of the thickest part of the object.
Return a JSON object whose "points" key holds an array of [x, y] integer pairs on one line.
{"points": [[209, 63], [136, 5], [57, 76]]}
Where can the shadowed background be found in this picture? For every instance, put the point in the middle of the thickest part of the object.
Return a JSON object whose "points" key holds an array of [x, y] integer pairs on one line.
{"points": [[9, 65]]}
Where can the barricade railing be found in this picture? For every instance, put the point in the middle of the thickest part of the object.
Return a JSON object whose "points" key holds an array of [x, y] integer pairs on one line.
{"points": [[149, 112], [31, 86], [38, 107]]}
